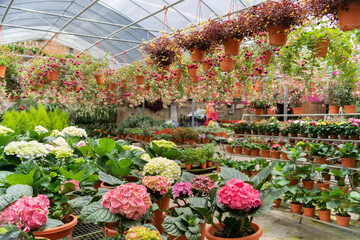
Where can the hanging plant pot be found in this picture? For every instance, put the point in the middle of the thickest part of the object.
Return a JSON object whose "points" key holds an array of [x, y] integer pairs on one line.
{"points": [[193, 70], [197, 55], [348, 162], [177, 74], [194, 79], [266, 57], [343, 221], [53, 76], [206, 66], [59, 232], [100, 80], [258, 232], [297, 110], [139, 79], [2, 71], [321, 48], [334, 109], [147, 87], [227, 64], [111, 86], [349, 19], [277, 36], [349, 108], [259, 111], [232, 47]]}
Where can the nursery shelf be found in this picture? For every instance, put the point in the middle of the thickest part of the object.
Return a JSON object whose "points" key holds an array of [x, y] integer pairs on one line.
{"points": [[178, 146], [300, 115], [299, 138]]}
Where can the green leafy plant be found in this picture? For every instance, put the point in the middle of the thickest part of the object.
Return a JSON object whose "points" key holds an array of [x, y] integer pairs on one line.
{"points": [[337, 200], [340, 175], [347, 150]]}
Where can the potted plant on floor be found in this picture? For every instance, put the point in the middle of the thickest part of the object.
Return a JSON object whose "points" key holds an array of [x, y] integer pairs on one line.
{"points": [[340, 176], [321, 183], [321, 151], [348, 153]]}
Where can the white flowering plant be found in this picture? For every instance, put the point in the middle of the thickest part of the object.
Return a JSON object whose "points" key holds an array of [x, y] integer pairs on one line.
{"points": [[6, 135], [163, 167]]}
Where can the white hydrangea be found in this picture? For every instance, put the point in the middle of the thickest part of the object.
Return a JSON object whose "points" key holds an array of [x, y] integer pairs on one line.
{"points": [[131, 147], [62, 152], [40, 129], [55, 133], [74, 131], [60, 141], [27, 150], [163, 167], [145, 157], [5, 130]]}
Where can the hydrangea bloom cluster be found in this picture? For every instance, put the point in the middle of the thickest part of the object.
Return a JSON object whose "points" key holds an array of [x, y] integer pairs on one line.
{"points": [[76, 184], [81, 144], [129, 200], [182, 189], [163, 167], [27, 213], [202, 183], [62, 152], [239, 195], [5, 130], [163, 144], [145, 157], [40, 129], [131, 147], [142, 233], [55, 133], [27, 150], [74, 132], [60, 141], [157, 184]]}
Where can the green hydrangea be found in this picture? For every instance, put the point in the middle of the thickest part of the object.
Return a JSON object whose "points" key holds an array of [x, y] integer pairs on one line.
{"points": [[142, 233], [163, 167], [27, 150], [163, 144], [5, 131], [62, 152], [40, 129], [131, 147]]}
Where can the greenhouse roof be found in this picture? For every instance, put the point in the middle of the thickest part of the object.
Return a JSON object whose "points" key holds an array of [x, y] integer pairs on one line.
{"points": [[117, 27]]}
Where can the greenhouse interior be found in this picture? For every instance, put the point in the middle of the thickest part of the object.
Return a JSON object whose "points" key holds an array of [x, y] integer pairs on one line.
{"points": [[180, 119]]}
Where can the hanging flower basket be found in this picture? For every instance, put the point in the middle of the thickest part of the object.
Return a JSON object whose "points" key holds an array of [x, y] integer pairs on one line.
{"points": [[349, 19], [193, 70], [277, 36], [100, 79], [227, 64], [232, 47], [139, 79], [322, 48], [2, 71], [53, 76], [197, 55]]}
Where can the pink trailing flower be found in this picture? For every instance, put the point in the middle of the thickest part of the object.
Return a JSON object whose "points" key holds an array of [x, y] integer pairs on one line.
{"points": [[239, 195], [76, 184], [27, 213], [182, 189], [202, 183], [159, 184], [129, 200]]}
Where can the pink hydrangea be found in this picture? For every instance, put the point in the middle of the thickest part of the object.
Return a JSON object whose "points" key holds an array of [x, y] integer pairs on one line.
{"points": [[27, 213], [76, 184], [239, 195], [129, 200], [182, 189], [81, 144], [202, 183], [159, 184]]}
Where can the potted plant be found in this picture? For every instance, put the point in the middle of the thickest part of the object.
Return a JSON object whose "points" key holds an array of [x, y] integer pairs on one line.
{"points": [[295, 154], [340, 176], [321, 183], [190, 135], [4, 62], [349, 98], [209, 150], [265, 150], [98, 67], [323, 211], [321, 152], [307, 175], [355, 204], [348, 153], [275, 151], [295, 195], [189, 157], [201, 158], [309, 202], [296, 98], [279, 181]]}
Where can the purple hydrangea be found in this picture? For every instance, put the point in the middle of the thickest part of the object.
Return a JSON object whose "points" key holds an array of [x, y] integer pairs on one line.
{"points": [[182, 189]]}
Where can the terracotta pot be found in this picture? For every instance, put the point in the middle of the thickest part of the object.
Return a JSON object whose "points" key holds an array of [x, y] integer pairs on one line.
{"points": [[343, 137], [297, 110], [277, 203], [333, 136], [193, 71], [342, 221], [218, 168], [327, 176], [229, 149], [253, 173], [206, 66], [53, 76], [320, 160], [100, 80], [109, 231], [163, 205], [210, 232], [295, 207], [139, 79], [321, 48], [177, 74], [106, 185], [209, 164], [348, 162], [270, 112], [197, 55], [358, 222], [203, 165], [206, 140], [284, 156], [259, 111], [59, 232], [334, 109], [246, 151], [275, 154], [349, 19], [191, 141], [323, 186], [267, 57], [346, 188], [2, 71], [111, 86], [324, 215], [232, 47], [238, 150], [354, 137], [308, 184], [227, 64], [188, 166], [255, 152], [309, 212], [277, 36], [349, 108]]}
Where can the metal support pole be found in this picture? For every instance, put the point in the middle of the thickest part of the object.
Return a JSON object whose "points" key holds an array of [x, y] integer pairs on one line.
{"points": [[6, 11], [285, 104], [193, 113]]}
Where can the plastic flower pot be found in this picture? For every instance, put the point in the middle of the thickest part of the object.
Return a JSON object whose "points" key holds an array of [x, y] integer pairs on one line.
{"points": [[349, 19], [232, 47], [309, 212], [334, 109], [64, 231], [348, 162], [203, 165], [327, 176], [323, 186], [308, 184], [218, 168], [191, 141], [163, 204], [2, 71], [349, 108], [188, 166], [266, 59], [258, 232], [277, 203], [227, 64], [259, 111], [139, 79], [320, 160], [246, 151], [265, 153], [255, 152], [295, 207], [53, 76], [297, 110], [111, 86], [285, 157], [270, 112], [346, 189], [206, 66], [197, 55], [229, 149], [342, 221], [238, 150], [209, 164], [275, 154], [277, 36], [177, 74], [324, 215], [100, 80], [321, 48]]}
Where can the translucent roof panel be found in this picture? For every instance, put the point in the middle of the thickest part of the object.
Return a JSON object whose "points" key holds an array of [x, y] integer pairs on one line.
{"points": [[106, 26]]}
